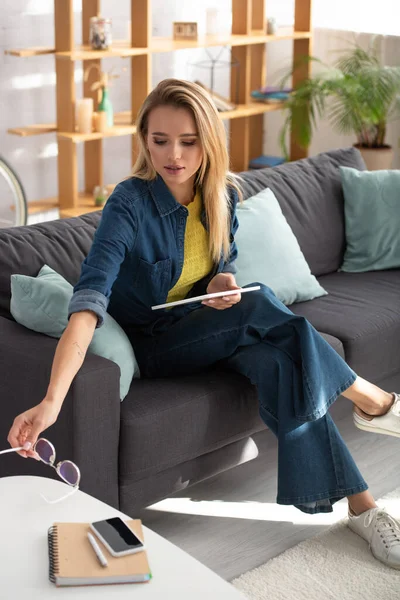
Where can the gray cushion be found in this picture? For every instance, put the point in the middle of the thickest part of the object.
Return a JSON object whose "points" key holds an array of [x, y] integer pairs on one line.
{"points": [[310, 194], [334, 342], [363, 311], [188, 416], [61, 244]]}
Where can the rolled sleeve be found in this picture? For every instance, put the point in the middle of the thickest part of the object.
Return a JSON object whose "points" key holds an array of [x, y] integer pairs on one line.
{"points": [[229, 268], [89, 300], [113, 239]]}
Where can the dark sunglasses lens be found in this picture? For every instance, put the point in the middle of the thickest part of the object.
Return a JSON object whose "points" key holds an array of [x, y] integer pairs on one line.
{"points": [[45, 451], [69, 472]]}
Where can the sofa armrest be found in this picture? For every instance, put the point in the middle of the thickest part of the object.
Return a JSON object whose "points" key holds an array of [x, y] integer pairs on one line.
{"points": [[87, 429]]}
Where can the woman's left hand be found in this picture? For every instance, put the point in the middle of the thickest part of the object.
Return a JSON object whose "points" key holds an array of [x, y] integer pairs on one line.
{"points": [[221, 283]]}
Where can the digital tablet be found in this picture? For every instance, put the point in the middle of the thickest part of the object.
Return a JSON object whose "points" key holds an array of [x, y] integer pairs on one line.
{"points": [[206, 297]]}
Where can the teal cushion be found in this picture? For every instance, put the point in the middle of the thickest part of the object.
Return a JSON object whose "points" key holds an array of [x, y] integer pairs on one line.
{"points": [[41, 303], [268, 251], [372, 219]]}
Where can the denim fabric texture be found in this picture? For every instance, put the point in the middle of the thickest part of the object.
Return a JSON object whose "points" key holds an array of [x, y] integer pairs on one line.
{"points": [[136, 258], [137, 254], [297, 374]]}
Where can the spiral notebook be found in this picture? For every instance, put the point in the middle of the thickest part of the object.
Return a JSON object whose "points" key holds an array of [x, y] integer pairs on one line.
{"points": [[72, 560]]}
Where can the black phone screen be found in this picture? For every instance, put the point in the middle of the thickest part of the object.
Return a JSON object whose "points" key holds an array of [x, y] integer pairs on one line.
{"points": [[117, 534]]}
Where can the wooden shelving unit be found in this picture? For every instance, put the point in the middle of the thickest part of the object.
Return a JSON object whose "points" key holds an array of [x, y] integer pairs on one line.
{"points": [[246, 121], [34, 130], [122, 48]]}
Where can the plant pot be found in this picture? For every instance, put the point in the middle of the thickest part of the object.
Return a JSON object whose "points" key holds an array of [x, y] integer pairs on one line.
{"points": [[377, 159]]}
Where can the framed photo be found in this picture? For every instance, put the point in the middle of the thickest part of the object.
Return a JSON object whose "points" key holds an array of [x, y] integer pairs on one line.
{"points": [[185, 30]]}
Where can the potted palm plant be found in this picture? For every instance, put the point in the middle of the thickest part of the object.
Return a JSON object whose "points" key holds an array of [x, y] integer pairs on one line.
{"points": [[359, 95]]}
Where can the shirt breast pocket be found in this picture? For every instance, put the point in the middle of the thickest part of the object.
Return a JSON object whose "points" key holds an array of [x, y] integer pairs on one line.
{"points": [[153, 279]]}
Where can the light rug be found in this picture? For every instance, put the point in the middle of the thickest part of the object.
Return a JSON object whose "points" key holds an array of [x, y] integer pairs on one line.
{"points": [[334, 565]]}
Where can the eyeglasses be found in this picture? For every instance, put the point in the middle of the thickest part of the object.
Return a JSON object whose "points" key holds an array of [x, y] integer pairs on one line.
{"points": [[66, 469]]}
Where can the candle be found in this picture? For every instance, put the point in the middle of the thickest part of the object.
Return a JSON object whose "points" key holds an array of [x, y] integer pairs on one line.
{"points": [[100, 121], [212, 15], [84, 115]]}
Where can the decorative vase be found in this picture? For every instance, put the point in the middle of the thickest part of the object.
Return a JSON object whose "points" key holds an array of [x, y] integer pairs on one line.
{"points": [[106, 106], [100, 33], [100, 195], [377, 159], [272, 26]]}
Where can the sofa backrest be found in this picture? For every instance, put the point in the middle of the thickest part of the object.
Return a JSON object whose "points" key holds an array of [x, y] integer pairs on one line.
{"points": [[310, 195], [62, 244], [309, 192]]}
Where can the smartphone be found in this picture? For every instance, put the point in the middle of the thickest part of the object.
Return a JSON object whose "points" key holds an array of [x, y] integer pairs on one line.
{"points": [[117, 537]]}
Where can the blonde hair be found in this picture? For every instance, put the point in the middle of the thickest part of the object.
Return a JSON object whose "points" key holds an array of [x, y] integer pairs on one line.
{"points": [[213, 175]]}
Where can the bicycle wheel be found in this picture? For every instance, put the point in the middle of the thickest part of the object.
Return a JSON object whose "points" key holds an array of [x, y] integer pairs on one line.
{"points": [[13, 208]]}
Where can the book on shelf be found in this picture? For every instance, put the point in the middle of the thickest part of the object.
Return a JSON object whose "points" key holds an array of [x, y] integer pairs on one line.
{"points": [[273, 89], [72, 560], [222, 104], [271, 97]]}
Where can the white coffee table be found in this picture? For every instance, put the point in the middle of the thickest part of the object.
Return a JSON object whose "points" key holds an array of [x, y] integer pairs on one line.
{"points": [[25, 518]]}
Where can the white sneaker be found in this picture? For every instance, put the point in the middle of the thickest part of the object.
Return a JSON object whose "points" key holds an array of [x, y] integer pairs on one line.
{"points": [[382, 533], [388, 423]]}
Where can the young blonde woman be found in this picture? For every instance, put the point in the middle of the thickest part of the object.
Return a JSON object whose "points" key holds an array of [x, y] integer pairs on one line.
{"points": [[167, 233]]}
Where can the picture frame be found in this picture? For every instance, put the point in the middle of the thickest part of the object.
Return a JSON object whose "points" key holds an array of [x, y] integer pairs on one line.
{"points": [[185, 30]]}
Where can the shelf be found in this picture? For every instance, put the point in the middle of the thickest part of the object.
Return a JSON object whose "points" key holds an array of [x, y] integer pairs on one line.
{"points": [[82, 52], [122, 126], [85, 52], [253, 108], [123, 48], [38, 206], [30, 51], [85, 205], [256, 37], [33, 130]]}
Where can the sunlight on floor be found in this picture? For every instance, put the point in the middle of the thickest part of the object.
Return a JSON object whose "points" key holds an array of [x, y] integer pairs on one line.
{"points": [[255, 511], [262, 511]]}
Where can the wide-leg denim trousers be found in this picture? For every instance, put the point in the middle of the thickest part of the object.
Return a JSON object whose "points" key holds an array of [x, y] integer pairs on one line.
{"points": [[297, 375]]}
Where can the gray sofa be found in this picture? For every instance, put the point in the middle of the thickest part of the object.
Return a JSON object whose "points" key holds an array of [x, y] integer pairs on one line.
{"points": [[170, 433]]}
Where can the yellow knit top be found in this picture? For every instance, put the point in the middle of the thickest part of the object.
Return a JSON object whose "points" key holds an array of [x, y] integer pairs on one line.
{"points": [[197, 259]]}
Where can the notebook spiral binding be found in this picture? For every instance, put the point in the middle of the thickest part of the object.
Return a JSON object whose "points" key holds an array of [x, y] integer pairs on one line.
{"points": [[53, 553]]}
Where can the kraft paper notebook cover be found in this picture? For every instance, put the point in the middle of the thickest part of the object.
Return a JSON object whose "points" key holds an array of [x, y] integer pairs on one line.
{"points": [[72, 560]]}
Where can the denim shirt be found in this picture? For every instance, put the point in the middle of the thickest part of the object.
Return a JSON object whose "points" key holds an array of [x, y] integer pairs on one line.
{"points": [[137, 256]]}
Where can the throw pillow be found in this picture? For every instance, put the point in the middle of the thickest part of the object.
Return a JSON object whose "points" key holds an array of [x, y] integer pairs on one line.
{"points": [[372, 219], [41, 303], [268, 251]]}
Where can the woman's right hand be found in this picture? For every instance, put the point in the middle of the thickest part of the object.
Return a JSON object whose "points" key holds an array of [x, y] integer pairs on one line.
{"points": [[29, 425]]}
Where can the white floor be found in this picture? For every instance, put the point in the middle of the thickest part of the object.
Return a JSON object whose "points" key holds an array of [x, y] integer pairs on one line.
{"points": [[231, 522]]}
